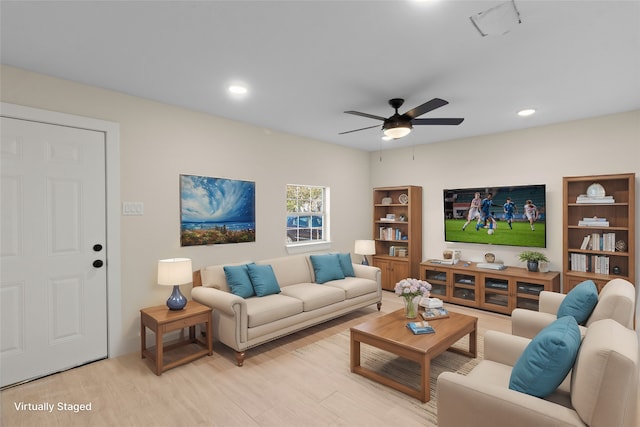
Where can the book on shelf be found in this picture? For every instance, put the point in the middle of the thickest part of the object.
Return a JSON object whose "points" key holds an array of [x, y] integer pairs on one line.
{"points": [[583, 198], [434, 313], [419, 328], [593, 222], [599, 242], [598, 264], [585, 242]]}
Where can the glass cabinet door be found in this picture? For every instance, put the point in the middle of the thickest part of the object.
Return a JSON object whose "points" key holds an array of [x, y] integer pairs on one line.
{"points": [[528, 294], [496, 294], [464, 288], [438, 281]]}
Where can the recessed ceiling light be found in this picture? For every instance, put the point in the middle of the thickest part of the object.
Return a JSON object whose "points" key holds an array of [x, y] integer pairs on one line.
{"points": [[526, 112], [237, 89]]}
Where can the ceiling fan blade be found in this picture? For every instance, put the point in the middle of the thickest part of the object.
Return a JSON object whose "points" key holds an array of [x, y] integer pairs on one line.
{"points": [[426, 107], [449, 121], [371, 116], [356, 130]]}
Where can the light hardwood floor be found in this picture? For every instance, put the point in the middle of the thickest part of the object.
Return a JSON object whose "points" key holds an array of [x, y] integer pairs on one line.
{"points": [[297, 380]]}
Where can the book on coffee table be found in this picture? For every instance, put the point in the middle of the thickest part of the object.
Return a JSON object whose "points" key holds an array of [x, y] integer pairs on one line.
{"points": [[434, 313], [420, 328]]}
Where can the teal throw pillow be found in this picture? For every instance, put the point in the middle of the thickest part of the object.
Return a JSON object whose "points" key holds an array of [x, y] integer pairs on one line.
{"points": [[263, 280], [580, 302], [326, 267], [548, 358], [346, 265], [238, 280]]}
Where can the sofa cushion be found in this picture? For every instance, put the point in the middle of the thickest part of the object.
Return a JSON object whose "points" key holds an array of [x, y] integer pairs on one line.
{"points": [[580, 302], [291, 269], [346, 264], [354, 286], [238, 280], [271, 308], [547, 359], [326, 267], [263, 280], [314, 296]]}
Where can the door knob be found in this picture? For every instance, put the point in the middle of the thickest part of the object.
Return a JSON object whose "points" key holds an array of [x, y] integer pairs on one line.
{"points": [[98, 263], [97, 247]]}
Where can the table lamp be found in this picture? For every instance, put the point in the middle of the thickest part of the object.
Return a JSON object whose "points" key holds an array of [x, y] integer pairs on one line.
{"points": [[364, 248], [175, 272]]}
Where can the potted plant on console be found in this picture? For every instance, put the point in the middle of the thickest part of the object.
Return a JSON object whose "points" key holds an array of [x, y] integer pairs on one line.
{"points": [[532, 258]]}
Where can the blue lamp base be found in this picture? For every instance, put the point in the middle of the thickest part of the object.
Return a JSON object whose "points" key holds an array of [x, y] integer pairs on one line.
{"points": [[176, 301]]}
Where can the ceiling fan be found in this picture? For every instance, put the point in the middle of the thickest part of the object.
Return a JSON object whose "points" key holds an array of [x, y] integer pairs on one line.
{"points": [[400, 125]]}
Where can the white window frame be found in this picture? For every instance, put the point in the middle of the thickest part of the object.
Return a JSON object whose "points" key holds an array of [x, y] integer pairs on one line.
{"points": [[308, 210]]}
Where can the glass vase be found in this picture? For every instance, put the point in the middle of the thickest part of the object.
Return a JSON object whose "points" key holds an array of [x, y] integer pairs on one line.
{"points": [[411, 307]]}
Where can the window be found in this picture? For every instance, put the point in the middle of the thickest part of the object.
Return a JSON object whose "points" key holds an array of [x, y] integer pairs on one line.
{"points": [[306, 215]]}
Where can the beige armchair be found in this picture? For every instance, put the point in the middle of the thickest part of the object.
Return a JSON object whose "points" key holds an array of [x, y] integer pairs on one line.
{"points": [[616, 301], [600, 391]]}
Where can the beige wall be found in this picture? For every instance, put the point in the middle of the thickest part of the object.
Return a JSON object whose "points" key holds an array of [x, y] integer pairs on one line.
{"points": [[159, 142], [542, 155]]}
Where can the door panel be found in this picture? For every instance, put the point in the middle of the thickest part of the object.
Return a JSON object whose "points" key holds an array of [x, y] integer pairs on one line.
{"points": [[54, 310]]}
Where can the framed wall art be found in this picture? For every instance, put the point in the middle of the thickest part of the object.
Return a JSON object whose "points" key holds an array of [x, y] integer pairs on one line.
{"points": [[216, 211]]}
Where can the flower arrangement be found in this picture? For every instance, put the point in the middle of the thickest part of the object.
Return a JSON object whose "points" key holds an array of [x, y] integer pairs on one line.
{"points": [[410, 289]]}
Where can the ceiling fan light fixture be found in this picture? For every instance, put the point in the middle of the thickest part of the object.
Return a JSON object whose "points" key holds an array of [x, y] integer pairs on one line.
{"points": [[397, 132], [396, 127]]}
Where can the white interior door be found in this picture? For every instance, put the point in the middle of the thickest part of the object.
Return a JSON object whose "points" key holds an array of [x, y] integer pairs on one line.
{"points": [[53, 287]]}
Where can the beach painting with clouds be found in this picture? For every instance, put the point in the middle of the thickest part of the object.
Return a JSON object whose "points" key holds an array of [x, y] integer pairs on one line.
{"points": [[216, 211]]}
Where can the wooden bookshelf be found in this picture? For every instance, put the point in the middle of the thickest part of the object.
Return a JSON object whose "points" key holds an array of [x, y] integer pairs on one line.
{"points": [[397, 232], [605, 222]]}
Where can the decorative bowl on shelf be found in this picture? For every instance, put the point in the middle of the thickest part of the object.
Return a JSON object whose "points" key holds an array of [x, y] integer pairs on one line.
{"points": [[596, 190], [386, 201], [404, 199]]}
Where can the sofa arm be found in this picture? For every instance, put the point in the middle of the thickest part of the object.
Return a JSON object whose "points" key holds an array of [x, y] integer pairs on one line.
{"points": [[527, 323], [503, 348], [219, 300], [463, 401], [367, 272], [550, 302]]}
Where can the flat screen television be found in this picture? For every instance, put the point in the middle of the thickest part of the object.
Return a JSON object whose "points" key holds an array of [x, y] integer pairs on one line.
{"points": [[499, 215]]}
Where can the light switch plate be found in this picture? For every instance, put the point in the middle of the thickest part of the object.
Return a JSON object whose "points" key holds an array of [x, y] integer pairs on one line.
{"points": [[132, 208]]}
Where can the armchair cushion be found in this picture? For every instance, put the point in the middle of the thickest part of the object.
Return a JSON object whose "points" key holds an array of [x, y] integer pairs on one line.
{"points": [[547, 359], [580, 302]]}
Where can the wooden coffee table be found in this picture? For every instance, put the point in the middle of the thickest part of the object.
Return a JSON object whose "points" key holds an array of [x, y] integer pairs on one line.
{"points": [[389, 333]]}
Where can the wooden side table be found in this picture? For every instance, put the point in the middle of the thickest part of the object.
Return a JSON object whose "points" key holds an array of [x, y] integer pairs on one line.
{"points": [[162, 320]]}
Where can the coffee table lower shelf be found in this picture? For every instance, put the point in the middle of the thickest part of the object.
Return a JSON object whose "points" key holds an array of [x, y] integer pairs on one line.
{"points": [[389, 333]]}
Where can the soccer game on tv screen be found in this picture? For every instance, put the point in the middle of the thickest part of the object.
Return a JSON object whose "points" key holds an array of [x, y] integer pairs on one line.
{"points": [[513, 216]]}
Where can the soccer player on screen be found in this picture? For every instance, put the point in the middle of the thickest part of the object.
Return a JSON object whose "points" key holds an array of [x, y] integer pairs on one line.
{"points": [[509, 209], [485, 211], [531, 213], [474, 210]]}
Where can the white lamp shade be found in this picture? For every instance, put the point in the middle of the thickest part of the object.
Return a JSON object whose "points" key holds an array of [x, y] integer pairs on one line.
{"points": [[365, 247], [174, 271]]}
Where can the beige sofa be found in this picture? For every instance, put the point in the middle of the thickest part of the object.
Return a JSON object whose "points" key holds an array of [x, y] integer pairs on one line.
{"points": [[600, 391], [243, 323], [616, 301]]}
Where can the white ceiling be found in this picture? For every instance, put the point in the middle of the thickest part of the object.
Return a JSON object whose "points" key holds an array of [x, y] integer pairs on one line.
{"points": [[306, 62]]}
